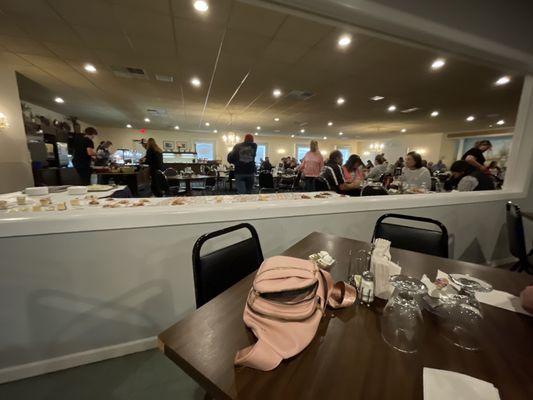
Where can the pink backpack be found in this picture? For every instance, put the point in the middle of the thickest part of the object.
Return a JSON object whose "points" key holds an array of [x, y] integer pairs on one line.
{"points": [[284, 307]]}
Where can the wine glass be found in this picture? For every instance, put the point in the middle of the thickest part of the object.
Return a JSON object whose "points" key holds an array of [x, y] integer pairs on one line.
{"points": [[401, 322]]}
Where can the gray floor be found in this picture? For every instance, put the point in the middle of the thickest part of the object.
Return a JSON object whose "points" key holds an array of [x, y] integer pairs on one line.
{"points": [[145, 375]]}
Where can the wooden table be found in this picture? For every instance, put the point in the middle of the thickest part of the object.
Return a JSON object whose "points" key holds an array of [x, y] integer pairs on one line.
{"points": [[348, 358], [188, 180]]}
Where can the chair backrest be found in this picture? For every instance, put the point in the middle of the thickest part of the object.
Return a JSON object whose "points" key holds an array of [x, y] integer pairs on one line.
{"points": [[321, 184], [217, 271], [515, 231], [374, 191], [266, 180], [428, 241]]}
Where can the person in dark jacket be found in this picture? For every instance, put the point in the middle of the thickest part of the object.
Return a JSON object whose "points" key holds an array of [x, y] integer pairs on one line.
{"points": [[84, 154], [465, 177], [243, 158], [154, 159]]}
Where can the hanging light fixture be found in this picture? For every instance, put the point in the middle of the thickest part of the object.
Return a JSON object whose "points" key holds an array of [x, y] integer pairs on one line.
{"points": [[231, 139]]}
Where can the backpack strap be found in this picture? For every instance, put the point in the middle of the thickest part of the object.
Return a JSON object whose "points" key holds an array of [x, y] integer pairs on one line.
{"points": [[260, 356]]}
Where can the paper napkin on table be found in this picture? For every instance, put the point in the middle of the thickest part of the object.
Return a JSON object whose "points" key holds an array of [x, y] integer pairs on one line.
{"points": [[496, 298], [383, 268], [440, 384]]}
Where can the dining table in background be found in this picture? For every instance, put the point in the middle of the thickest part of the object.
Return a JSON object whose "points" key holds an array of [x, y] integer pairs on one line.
{"points": [[132, 179], [188, 179], [348, 358]]}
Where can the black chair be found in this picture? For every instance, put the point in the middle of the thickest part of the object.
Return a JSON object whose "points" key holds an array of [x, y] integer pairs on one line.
{"points": [[266, 180], [321, 184], [217, 271], [374, 191], [517, 241], [428, 241]]}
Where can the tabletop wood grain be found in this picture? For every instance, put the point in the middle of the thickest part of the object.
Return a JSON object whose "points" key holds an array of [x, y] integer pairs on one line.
{"points": [[348, 358]]}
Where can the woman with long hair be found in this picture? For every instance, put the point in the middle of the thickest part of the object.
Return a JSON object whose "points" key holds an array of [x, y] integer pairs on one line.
{"points": [[154, 159], [352, 170], [311, 165]]}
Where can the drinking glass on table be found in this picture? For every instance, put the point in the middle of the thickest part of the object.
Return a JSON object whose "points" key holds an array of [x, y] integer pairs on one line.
{"points": [[359, 263], [401, 322]]}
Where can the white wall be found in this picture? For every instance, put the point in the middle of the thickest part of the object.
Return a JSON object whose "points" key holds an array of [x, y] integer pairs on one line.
{"points": [[15, 165], [277, 146], [51, 115]]}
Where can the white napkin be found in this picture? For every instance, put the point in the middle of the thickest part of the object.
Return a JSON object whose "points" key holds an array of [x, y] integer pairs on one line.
{"points": [[383, 269], [445, 385], [496, 298]]}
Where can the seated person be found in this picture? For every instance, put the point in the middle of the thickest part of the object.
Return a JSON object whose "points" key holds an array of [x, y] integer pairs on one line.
{"points": [[352, 170], [465, 177], [332, 173], [414, 173], [379, 170], [266, 166]]}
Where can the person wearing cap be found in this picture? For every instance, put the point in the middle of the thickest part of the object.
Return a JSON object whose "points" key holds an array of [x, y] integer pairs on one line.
{"points": [[83, 154], [243, 158], [475, 156]]}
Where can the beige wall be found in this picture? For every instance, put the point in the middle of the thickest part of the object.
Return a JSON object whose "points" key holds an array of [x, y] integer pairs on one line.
{"points": [[277, 146], [15, 165], [51, 115]]}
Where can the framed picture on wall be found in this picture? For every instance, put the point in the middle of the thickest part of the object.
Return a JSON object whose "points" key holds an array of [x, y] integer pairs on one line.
{"points": [[168, 145], [181, 145]]}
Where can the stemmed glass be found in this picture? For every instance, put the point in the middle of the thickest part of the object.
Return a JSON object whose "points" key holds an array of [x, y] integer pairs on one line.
{"points": [[401, 323]]}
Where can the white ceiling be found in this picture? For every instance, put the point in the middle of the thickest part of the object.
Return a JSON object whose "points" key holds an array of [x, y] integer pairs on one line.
{"points": [[49, 41]]}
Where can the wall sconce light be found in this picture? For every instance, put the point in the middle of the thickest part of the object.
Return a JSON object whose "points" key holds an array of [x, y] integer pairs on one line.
{"points": [[281, 151], [3, 121]]}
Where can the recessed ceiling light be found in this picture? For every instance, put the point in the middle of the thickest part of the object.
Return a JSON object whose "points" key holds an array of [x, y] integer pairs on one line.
{"points": [[201, 5], [292, 135], [341, 133], [147, 120], [207, 124], [258, 128], [330, 123], [276, 92], [434, 113], [500, 122], [391, 108], [340, 100], [403, 130], [470, 118], [490, 126], [195, 82], [325, 137], [276, 119], [504, 80], [438, 63], [302, 130], [59, 100], [89, 68], [128, 125], [215, 131], [256, 133], [177, 127], [344, 40], [377, 98]]}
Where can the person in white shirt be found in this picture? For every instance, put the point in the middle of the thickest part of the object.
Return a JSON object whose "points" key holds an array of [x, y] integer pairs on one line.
{"points": [[414, 174]]}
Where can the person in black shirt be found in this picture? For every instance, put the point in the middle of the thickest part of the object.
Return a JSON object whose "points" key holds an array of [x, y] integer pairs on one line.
{"points": [[332, 173], [83, 154], [103, 155], [154, 159], [243, 158], [467, 178], [266, 166], [475, 156]]}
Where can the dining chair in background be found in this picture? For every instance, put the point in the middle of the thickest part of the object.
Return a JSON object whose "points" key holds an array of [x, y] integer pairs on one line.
{"points": [[374, 191], [217, 271], [517, 241], [428, 241]]}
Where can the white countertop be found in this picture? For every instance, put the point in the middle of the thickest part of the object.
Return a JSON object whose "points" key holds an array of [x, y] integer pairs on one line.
{"points": [[205, 209]]}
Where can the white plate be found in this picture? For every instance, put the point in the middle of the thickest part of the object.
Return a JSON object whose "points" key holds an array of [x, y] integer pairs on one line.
{"points": [[99, 188]]}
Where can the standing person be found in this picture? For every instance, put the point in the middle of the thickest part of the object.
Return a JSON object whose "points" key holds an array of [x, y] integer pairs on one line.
{"points": [[380, 168], [243, 158], [83, 154], [103, 155], [475, 156], [154, 159], [311, 166], [414, 174], [352, 170], [332, 173]]}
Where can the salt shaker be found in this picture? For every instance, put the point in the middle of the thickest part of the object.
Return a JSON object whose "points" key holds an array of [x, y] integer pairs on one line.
{"points": [[366, 289]]}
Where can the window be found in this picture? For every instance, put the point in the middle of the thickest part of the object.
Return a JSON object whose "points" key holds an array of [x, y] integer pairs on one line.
{"points": [[205, 150], [261, 153], [346, 151], [300, 151]]}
